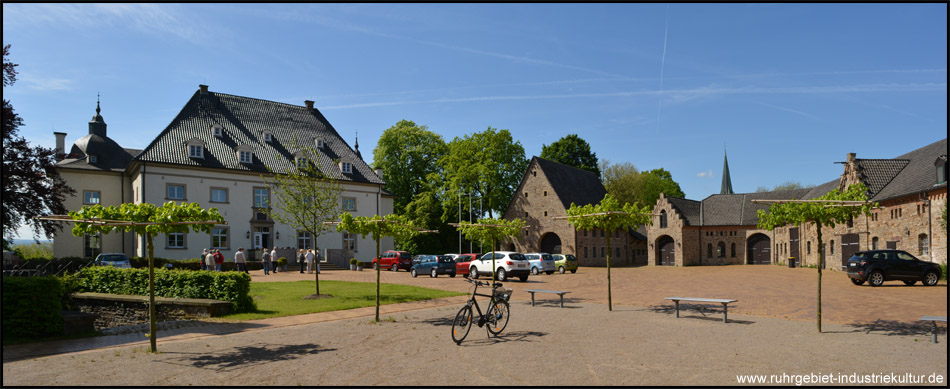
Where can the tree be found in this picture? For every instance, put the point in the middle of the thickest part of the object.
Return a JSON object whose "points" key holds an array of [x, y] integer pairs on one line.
{"points": [[620, 180], [148, 220], [489, 164], [628, 185], [831, 208], [609, 216], [574, 151], [491, 230], [407, 154], [394, 225], [654, 182], [426, 210], [305, 199], [32, 185], [788, 185]]}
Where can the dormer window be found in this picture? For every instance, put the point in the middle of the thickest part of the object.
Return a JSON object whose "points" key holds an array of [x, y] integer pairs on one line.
{"points": [[941, 165], [346, 167], [245, 154], [93, 159], [217, 130], [196, 148], [320, 143], [302, 162], [268, 136]]}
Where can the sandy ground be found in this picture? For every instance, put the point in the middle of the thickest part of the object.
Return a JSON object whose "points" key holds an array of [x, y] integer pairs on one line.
{"points": [[582, 344]]}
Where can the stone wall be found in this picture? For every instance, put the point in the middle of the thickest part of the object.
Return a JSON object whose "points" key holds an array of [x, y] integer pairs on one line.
{"points": [[119, 310]]}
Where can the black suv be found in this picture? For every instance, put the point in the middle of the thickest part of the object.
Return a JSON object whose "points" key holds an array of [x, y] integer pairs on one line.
{"points": [[877, 266]]}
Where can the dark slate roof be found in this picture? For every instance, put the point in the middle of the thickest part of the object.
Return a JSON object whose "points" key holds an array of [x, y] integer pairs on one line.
{"points": [[688, 209], [110, 156], [919, 175], [244, 121], [726, 177], [821, 190], [739, 210], [571, 184], [879, 172]]}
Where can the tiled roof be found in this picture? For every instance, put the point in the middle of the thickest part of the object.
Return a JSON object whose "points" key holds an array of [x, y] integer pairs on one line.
{"points": [[879, 172], [572, 184], [109, 155], [243, 121], [822, 189], [688, 209], [919, 175], [738, 209]]}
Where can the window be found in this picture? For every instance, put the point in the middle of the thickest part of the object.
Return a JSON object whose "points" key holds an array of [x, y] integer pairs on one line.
{"points": [[346, 167], [320, 143], [304, 240], [721, 250], [545, 193], [349, 241], [525, 194], [246, 156], [923, 244], [268, 136], [90, 197], [217, 130], [176, 240], [874, 243], [261, 198], [663, 219], [301, 162], [832, 246], [219, 195], [93, 158], [545, 213], [808, 248], [196, 151], [525, 213], [601, 235], [349, 204], [585, 234], [585, 252], [732, 250], [618, 251], [602, 252], [941, 165], [219, 238], [175, 192], [91, 245]]}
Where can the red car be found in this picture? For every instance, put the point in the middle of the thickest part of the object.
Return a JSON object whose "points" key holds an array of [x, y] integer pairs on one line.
{"points": [[462, 263], [394, 260]]}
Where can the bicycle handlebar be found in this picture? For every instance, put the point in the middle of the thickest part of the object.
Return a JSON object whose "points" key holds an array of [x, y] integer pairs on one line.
{"points": [[479, 283]]}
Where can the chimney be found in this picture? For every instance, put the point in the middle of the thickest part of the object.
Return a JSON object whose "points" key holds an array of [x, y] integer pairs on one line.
{"points": [[203, 88], [851, 157], [379, 172], [308, 103], [60, 145]]}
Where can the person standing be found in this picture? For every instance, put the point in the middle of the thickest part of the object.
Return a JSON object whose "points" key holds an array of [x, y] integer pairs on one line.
{"points": [[240, 260], [309, 259], [209, 260], [300, 260], [265, 260], [201, 259], [218, 260], [273, 258], [316, 259]]}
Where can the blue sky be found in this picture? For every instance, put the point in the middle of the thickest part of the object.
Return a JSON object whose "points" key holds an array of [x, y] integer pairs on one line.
{"points": [[787, 89]]}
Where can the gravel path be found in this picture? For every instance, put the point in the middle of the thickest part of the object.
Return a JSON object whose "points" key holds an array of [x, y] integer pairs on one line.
{"points": [[582, 344]]}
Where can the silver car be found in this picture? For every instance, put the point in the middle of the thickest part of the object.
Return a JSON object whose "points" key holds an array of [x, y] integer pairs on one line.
{"points": [[118, 260], [541, 262]]}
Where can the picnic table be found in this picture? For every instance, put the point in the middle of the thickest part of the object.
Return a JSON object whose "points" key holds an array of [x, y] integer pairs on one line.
{"points": [[557, 292], [724, 302]]}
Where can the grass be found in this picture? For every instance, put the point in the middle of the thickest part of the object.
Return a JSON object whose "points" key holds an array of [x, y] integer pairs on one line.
{"points": [[277, 299]]}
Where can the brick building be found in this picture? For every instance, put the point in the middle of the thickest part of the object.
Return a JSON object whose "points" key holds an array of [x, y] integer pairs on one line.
{"points": [[722, 229], [546, 191]]}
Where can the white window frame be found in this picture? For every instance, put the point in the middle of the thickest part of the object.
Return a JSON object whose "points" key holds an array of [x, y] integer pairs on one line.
{"points": [[217, 130], [266, 197], [320, 143], [180, 240], [346, 167], [301, 162], [349, 200], [226, 195], [304, 240], [220, 233], [245, 156], [184, 193], [268, 136], [86, 196], [349, 241], [196, 150]]}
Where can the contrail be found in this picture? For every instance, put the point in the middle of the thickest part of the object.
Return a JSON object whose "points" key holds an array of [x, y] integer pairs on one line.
{"points": [[659, 101]]}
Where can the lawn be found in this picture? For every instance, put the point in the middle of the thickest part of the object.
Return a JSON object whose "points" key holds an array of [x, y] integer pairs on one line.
{"points": [[276, 299]]}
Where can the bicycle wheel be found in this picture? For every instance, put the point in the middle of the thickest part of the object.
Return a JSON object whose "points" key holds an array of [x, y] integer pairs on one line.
{"points": [[497, 316], [462, 324]]}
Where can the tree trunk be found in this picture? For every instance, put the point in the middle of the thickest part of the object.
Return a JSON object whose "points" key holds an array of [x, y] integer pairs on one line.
{"points": [[316, 263], [152, 330], [821, 255], [378, 268], [610, 304]]}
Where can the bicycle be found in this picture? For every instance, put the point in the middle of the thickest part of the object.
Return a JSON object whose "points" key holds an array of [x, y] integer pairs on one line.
{"points": [[496, 316]]}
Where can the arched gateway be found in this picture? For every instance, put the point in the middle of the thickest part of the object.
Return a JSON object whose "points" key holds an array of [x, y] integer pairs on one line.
{"points": [[665, 252], [550, 243]]}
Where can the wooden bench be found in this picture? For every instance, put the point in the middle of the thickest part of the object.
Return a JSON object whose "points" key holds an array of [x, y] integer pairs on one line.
{"points": [[557, 292], [724, 302], [934, 320]]}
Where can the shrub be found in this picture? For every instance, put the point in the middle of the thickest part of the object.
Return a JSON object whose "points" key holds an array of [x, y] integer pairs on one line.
{"points": [[229, 286], [943, 270], [31, 307], [352, 261], [282, 261]]}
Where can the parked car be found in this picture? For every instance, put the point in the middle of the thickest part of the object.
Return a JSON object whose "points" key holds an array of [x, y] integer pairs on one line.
{"points": [[877, 266], [507, 264], [540, 262], [394, 260], [463, 262], [453, 256], [118, 260], [563, 262], [433, 265]]}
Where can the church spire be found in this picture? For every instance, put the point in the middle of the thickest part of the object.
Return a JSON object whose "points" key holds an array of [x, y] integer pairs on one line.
{"points": [[726, 179], [97, 126], [357, 146]]}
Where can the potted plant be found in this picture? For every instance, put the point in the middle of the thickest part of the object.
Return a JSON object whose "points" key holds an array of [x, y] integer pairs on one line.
{"points": [[352, 263], [359, 266], [282, 264]]}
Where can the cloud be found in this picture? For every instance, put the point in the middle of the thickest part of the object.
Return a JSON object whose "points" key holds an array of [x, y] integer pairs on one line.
{"points": [[708, 173], [161, 19], [47, 84]]}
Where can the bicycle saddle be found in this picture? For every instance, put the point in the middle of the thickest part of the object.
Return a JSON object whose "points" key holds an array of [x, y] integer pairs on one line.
{"points": [[498, 285]]}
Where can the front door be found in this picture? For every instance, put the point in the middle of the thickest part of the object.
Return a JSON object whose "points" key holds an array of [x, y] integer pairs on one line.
{"points": [[793, 245], [759, 250], [849, 246], [666, 254], [258, 240]]}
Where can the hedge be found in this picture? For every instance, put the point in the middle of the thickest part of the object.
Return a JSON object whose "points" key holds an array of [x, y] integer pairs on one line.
{"points": [[228, 286], [31, 306]]}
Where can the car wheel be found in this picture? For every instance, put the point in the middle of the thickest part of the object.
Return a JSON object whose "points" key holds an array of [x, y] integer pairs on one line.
{"points": [[931, 278], [502, 275], [523, 278], [573, 271], [549, 272], [909, 283], [395, 267], [413, 272], [560, 269], [473, 273], [857, 281], [534, 270], [452, 275], [433, 274], [876, 278]]}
